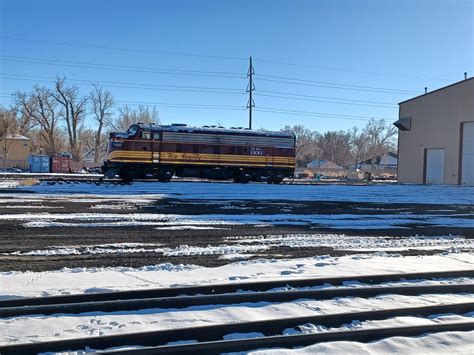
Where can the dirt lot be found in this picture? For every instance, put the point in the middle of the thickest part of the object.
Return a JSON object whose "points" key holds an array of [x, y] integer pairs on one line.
{"points": [[78, 242]]}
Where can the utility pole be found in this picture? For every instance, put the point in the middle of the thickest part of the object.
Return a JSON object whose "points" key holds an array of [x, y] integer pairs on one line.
{"points": [[250, 88]]}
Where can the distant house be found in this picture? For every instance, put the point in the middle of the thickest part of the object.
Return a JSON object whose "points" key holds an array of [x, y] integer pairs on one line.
{"points": [[323, 165], [14, 151], [385, 162], [303, 173]]}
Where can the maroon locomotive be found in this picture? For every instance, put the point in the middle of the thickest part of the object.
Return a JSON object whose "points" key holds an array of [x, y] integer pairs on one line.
{"points": [[162, 151]]}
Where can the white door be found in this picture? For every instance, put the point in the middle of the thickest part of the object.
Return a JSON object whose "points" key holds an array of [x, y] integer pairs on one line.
{"points": [[467, 174], [434, 166]]}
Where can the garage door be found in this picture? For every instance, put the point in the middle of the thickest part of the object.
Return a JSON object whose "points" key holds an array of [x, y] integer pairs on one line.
{"points": [[434, 166], [467, 174]]}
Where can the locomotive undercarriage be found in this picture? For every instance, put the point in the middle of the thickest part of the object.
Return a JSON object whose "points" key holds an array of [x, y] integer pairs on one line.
{"points": [[129, 172]]}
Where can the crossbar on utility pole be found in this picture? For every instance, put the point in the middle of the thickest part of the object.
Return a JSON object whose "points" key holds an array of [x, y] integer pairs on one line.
{"points": [[250, 88]]}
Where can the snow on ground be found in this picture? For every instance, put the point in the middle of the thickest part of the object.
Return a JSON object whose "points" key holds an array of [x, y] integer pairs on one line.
{"points": [[227, 191], [82, 280], [438, 343], [337, 221], [343, 242], [88, 280], [61, 326], [8, 184], [246, 244]]}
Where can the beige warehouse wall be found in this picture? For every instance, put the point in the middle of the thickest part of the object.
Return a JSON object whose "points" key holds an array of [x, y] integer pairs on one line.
{"points": [[436, 121], [17, 153]]}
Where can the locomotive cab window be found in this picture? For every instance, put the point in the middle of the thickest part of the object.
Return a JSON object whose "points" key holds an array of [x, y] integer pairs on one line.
{"points": [[146, 134]]}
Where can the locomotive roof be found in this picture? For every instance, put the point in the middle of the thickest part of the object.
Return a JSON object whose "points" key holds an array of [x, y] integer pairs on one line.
{"points": [[214, 129]]}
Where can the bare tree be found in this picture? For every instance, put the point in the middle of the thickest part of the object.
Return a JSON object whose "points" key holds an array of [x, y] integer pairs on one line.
{"points": [[359, 143], [381, 138], [306, 148], [73, 113], [128, 116], [101, 102], [335, 147], [8, 131], [40, 111]]}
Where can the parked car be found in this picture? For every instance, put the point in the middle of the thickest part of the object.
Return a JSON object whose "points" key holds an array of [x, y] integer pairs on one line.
{"points": [[10, 170]]}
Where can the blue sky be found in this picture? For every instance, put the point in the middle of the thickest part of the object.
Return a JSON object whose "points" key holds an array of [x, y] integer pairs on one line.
{"points": [[404, 45]]}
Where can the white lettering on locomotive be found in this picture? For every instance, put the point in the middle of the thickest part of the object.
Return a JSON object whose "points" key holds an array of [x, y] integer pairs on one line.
{"points": [[256, 151]]}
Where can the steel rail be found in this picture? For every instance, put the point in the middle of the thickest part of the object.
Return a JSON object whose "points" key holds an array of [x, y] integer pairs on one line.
{"points": [[231, 298], [231, 287], [209, 333], [291, 341]]}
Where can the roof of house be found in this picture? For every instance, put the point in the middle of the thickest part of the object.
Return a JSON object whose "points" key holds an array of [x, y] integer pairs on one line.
{"points": [[324, 164], [378, 158], [440, 89], [16, 137]]}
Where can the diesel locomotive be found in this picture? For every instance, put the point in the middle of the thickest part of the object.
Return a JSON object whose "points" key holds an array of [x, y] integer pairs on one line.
{"points": [[210, 152]]}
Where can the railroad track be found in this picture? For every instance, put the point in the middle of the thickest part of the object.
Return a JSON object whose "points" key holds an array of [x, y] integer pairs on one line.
{"points": [[210, 338]]}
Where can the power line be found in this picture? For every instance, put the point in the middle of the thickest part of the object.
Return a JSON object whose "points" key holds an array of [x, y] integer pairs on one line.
{"points": [[325, 97], [326, 101], [100, 66], [322, 113], [137, 50], [168, 71], [335, 87], [241, 108], [315, 115], [180, 104], [351, 70], [337, 84], [200, 89], [122, 48]]}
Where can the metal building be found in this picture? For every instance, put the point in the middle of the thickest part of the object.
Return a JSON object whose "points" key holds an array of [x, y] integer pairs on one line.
{"points": [[436, 136]]}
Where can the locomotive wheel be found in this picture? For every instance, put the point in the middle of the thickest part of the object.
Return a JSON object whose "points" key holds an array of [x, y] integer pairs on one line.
{"points": [[242, 177], [126, 176], [110, 173], [165, 175], [277, 179]]}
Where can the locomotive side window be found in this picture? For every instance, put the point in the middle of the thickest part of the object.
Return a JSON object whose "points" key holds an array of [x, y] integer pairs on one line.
{"points": [[146, 135]]}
